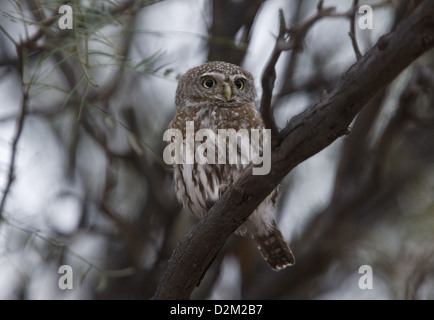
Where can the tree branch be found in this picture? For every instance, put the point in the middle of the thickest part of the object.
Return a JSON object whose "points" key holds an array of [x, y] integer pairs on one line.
{"points": [[304, 136], [229, 19], [352, 32], [11, 171], [20, 48], [296, 36]]}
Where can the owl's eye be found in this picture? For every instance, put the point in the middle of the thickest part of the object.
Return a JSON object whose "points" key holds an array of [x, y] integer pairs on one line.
{"points": [[239, 83], [208, 83]]}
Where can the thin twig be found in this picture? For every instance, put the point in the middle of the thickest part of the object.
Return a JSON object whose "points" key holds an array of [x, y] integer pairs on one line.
{"points": [[268, 79], [352, 33], [293, 57], [287, 39], [11, 171], [8, 35], [353, 10]]}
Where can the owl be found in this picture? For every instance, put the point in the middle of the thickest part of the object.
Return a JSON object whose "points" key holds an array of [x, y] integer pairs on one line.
{"points": [[219, 95]]}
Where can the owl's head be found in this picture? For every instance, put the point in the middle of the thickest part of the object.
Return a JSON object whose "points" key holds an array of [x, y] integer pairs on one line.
{"points": [[215, 84]]}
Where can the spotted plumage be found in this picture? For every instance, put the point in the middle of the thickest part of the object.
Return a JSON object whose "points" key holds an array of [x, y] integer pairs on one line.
{"points": [[218, 95]]}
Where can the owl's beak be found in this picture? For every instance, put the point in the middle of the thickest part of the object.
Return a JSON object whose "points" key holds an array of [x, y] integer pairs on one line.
{"points": [[227, 92]]}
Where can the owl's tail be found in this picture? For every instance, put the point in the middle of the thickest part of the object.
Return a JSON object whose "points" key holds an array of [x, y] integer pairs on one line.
{"points": [[274, 249]]}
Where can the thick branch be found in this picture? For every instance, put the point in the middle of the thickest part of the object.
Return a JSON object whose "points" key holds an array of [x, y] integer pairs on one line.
{"points": [[304, 136], [231, 18]]}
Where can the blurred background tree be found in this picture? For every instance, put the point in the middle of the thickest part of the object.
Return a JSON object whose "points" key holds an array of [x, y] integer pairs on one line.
{"points": [[81, 172]]}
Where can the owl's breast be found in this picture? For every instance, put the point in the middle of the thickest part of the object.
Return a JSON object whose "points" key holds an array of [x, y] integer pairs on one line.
{"points": [[244, 117], [218, 117], [199, 183]]}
